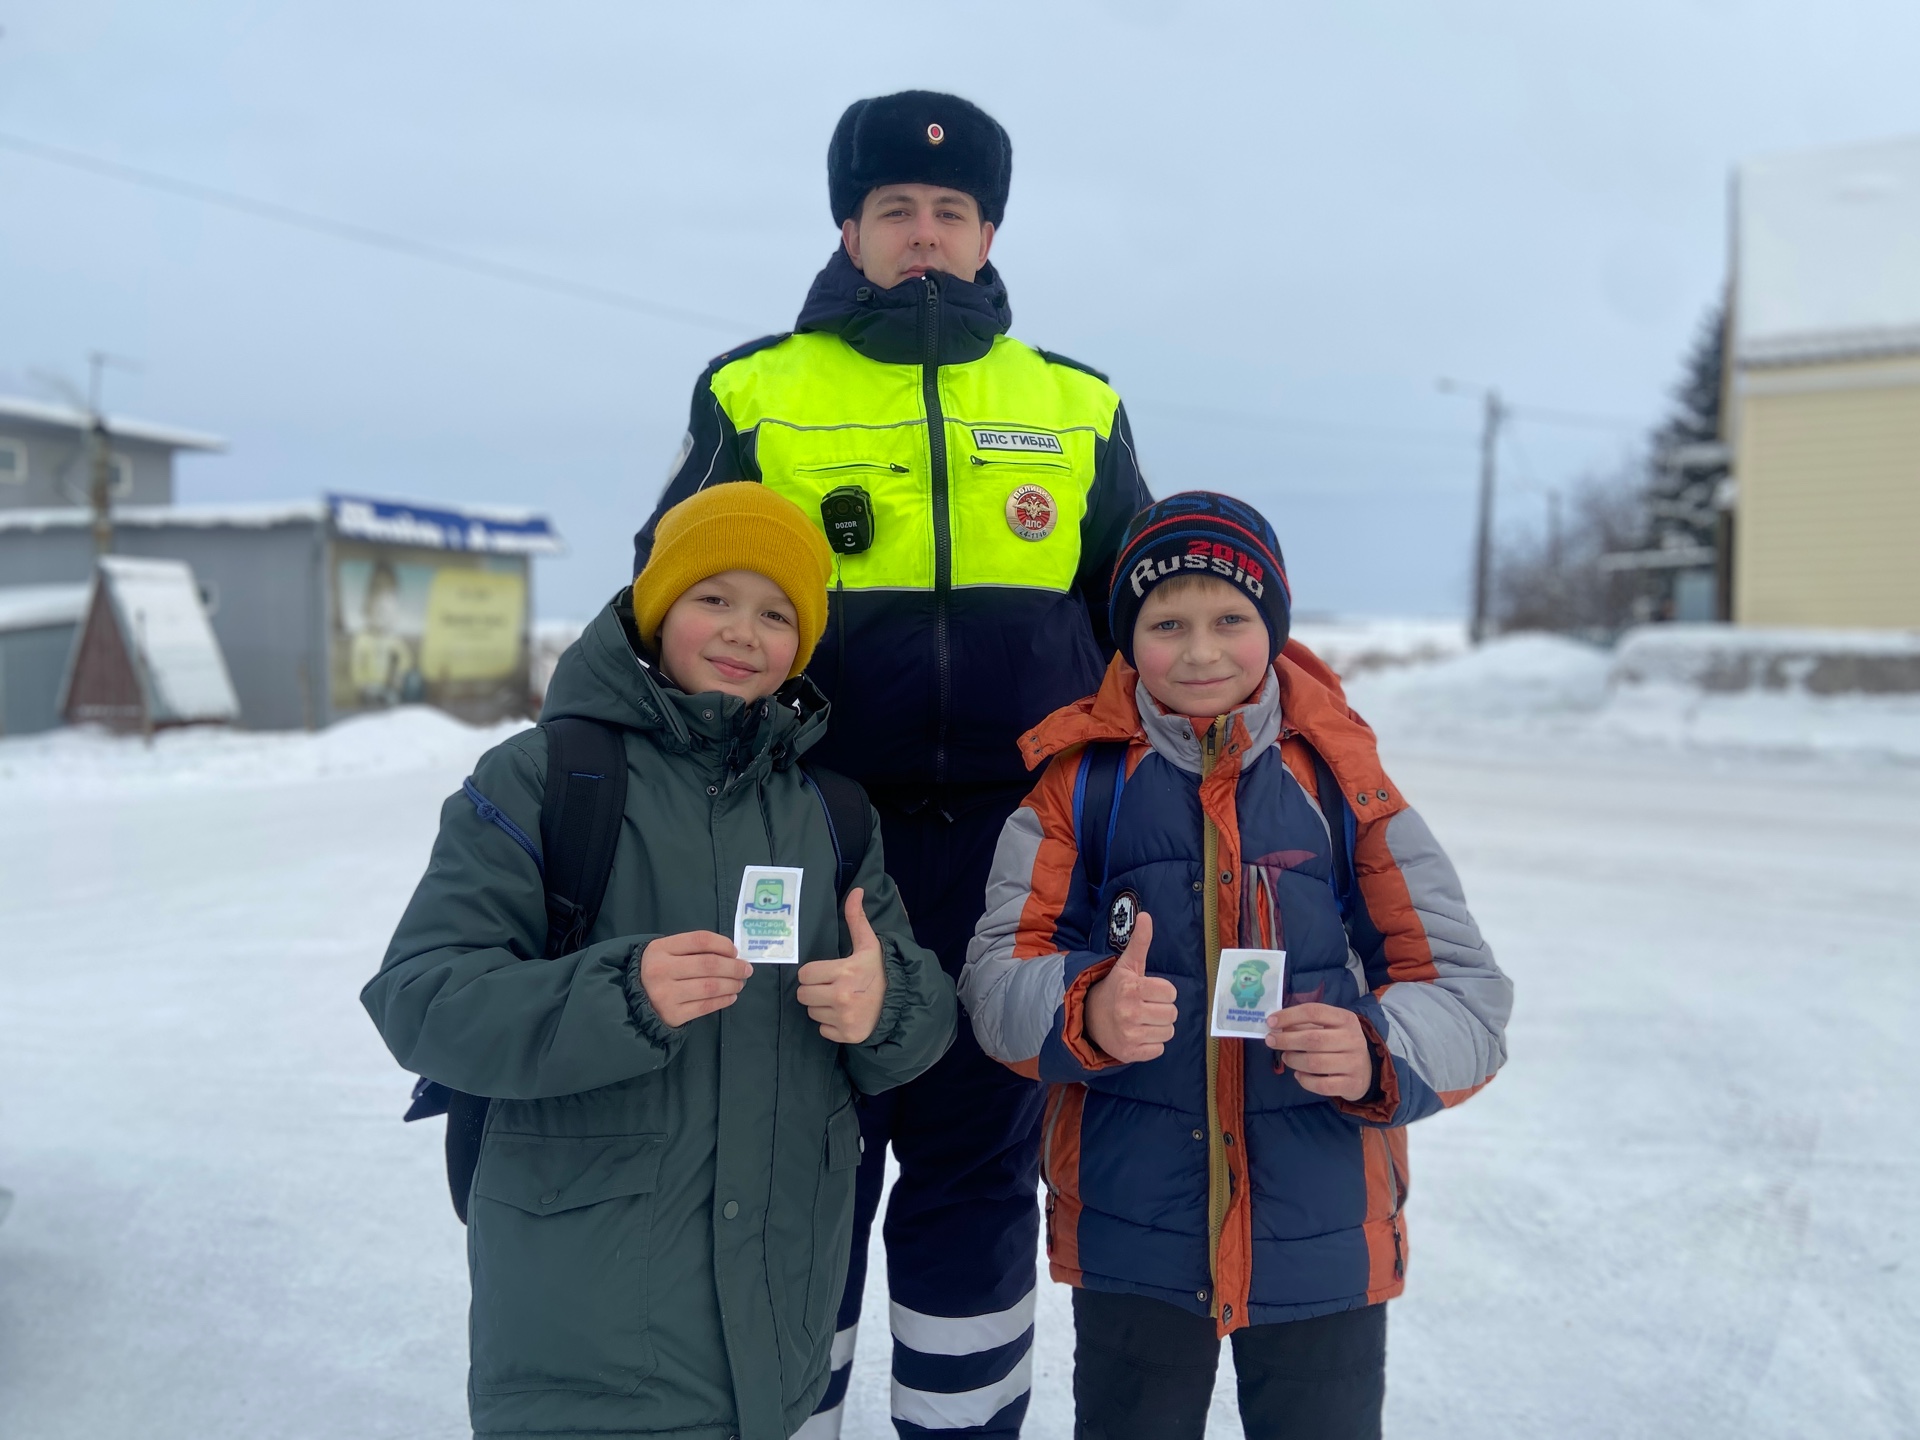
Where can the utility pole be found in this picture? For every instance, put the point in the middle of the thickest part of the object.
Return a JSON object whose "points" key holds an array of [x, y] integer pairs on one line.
{"points": [[99, 440], [99, 454], [1494, 415]]}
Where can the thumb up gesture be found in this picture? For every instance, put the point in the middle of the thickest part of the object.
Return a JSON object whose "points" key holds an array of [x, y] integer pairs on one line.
{"points": [[844, 996], [1130, 1013]]}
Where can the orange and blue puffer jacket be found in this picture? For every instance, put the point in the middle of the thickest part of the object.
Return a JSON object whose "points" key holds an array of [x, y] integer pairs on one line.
{"points": [[1208, 1177]]}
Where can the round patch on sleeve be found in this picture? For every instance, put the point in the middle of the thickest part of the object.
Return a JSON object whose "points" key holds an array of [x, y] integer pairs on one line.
{"points": [[1120, 917]]}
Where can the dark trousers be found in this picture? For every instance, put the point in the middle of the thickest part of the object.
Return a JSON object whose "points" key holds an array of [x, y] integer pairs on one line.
{"points": [[1144, 1370], [963, 1224]]}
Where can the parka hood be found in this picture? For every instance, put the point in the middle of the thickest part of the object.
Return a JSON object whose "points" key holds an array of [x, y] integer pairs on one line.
{"points": [[885, 325], [602, 676]]}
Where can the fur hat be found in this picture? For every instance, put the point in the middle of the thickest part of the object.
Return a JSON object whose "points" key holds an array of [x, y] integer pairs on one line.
{"points": [[918, 137], [740, 525], [1201, 532]]}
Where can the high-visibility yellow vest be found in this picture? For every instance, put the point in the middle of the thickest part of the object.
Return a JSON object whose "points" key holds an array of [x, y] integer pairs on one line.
{"points": [[1018, 435]]}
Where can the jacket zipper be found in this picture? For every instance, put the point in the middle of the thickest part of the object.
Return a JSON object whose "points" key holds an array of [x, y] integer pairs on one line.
{"points": [[1021, 463], [1054, 1106], [1219, 1185], [942, 528], [890, 465]]}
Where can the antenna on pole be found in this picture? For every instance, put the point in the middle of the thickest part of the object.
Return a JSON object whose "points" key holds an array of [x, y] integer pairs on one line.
{"points": [[100, 448], [1494, 415]]}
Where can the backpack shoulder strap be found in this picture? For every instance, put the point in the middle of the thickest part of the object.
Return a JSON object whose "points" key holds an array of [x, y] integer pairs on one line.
{"points": [[849, 821], [580, 815], [1096, 805], [1340, 829], [580, 812]]}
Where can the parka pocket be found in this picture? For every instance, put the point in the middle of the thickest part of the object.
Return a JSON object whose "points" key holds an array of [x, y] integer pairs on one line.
{"points": [[557, 1242], [833, 1222]]}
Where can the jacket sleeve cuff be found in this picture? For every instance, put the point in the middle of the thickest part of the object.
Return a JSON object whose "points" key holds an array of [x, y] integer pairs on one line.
{"points": [[893, 1008], [1382, 1100], [1073, 1019], [646, 1019]]}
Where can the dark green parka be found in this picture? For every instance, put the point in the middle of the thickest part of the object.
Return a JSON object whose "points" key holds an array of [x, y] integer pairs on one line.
{"points": [[660, 1221]]}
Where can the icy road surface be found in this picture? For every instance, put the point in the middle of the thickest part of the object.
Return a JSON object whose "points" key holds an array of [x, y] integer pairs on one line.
{"points": [[1686, 1209]]}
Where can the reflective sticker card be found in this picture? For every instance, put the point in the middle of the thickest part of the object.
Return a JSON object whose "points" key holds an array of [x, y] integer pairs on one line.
{"points": [[766, 924], [1250, 987]]}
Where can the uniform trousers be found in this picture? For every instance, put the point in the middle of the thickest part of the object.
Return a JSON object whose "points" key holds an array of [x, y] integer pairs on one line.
{"points": [[963, 1224]]}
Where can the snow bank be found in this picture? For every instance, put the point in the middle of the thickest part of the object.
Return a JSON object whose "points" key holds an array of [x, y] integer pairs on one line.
{"points": [[1355, 646], [1517, 680], [89, 760], [551, 638], [1665, 688]]}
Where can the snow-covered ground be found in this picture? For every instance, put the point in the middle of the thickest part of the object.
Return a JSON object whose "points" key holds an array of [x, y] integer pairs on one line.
{"points": [[1686, 1209]]}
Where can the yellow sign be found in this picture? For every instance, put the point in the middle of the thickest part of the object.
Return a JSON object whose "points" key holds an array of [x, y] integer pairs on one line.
{"points": [[473, 626]]}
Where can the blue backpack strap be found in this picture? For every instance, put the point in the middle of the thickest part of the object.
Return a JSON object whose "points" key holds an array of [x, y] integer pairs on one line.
{"points": [[1333, 807], [1096, 805], [849, 822]]}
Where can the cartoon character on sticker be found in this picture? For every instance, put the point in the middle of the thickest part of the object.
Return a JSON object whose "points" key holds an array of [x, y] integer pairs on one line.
{"points": [[769, 899], [1249, 983]]}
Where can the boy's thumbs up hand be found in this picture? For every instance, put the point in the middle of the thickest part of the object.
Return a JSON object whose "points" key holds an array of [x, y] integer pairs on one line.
{"points": [[844, 996], [1130, 1014]]}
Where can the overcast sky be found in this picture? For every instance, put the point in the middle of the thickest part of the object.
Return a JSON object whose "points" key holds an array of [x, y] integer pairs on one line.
{"points": [[1296, 215]]}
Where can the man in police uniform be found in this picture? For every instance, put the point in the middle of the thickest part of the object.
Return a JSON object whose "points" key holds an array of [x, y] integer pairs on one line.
{"points": [[974, 490]]}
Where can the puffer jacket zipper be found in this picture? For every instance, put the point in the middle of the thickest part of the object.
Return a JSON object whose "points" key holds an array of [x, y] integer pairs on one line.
{"points": [[942, 522], [1219, 1182]]}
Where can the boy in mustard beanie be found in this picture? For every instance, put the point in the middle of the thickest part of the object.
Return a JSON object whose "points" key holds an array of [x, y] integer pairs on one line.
{"points": [[660, 1214]]}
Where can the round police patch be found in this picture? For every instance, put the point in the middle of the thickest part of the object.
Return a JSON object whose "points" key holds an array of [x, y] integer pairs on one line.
{"points": [[935, 134], [1120, 917], [1031, 512]]}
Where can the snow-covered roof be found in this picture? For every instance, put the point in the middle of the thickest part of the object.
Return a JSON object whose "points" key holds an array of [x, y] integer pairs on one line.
{"points": [[39, 607], [492, 529], [65, 417], [1827, 254], [243, 516], [182, 673]]}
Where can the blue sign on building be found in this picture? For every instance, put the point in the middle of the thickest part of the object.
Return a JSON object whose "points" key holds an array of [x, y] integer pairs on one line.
{"points": [[486, 531]]}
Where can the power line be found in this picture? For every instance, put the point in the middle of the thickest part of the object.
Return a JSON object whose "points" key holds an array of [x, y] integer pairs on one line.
{"points": [[433, 254], [366, 235], [1579, 418], [1267, 420]]}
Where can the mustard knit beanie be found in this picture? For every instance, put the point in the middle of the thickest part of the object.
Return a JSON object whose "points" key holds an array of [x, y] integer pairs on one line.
{"points": [[740, 525]]}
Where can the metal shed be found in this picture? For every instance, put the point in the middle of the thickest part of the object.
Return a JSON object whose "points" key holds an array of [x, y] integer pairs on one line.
{"points": [[145, 658], [329, 608]]}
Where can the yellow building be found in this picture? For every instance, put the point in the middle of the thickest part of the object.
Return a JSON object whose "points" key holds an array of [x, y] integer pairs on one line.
{"points": [[1825, 388]]}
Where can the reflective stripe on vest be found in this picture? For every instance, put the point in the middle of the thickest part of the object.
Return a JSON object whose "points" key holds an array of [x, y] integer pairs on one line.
{"points": [[1015, 423]]}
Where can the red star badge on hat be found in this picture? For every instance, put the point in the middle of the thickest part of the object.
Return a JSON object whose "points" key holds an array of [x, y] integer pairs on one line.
{"points": [[935, 134]]}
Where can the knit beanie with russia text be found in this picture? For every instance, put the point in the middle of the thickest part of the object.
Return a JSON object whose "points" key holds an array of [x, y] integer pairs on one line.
{"points": [[1201, 532]]}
